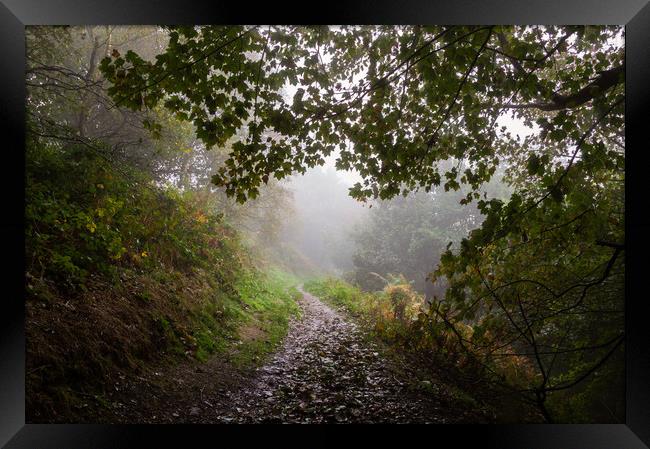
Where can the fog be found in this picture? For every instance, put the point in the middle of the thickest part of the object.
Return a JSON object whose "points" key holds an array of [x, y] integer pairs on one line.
{"points": [[324, 219], [329, 233], [308, 223]]}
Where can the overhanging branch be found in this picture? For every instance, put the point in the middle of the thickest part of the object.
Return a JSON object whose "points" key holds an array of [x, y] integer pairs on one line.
{"points": [[605, 81]]}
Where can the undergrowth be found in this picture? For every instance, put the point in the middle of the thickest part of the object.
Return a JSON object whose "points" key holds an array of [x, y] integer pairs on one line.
{"points": [[122, 274], [399, 317]]}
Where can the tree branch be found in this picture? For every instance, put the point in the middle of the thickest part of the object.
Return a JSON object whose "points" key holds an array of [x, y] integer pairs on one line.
{"points": [[433, 137], [620, 246], [605, 81]]}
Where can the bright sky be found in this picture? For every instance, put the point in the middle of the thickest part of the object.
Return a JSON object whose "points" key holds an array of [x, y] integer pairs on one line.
{"points": [[513, 125]]}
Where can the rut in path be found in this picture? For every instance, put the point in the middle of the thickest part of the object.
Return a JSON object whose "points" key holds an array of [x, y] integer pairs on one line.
{"points": [[327, 372]]}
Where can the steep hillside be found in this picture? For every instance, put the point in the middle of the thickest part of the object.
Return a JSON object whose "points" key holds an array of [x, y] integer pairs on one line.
{"points": [[122, 274]]}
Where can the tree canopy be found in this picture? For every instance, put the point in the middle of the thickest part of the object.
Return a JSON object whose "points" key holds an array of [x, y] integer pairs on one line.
{"points": [[542, 276], [390, 101]]}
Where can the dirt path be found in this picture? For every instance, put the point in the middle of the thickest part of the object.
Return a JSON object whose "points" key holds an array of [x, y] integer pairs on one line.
{"points": [[325, 372]]}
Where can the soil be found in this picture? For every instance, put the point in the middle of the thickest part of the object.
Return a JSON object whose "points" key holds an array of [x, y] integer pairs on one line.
{"points": [[326, 371]]}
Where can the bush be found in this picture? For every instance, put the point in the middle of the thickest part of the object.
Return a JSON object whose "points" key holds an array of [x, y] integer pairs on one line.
{"points": [[86, 216], [399, 316]]}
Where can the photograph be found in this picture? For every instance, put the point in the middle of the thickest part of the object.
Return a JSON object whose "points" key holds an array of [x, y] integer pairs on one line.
{"points": [[325, 224]]}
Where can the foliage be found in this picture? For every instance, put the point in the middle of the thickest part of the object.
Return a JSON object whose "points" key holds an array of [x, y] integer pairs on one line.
{"points": [[124, 274], [84, 217], [67, 101], [533, 298], [407, 235], [546, 275], [394, 101]]}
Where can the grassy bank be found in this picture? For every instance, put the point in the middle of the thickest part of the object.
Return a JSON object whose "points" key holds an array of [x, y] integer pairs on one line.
{"points": [[388, 314], [122, 275], [269, 302], [397, 317]]}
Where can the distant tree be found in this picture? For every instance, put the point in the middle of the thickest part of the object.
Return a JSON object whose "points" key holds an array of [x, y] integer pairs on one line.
{"points": [[407, 236], [68, 103]]}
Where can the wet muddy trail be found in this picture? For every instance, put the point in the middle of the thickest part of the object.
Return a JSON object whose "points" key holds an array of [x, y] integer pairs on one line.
{"points": [[326, 372]]}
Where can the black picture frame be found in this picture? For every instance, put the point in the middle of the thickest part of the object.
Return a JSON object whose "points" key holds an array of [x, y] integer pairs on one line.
{"points": [[16, 14]]}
